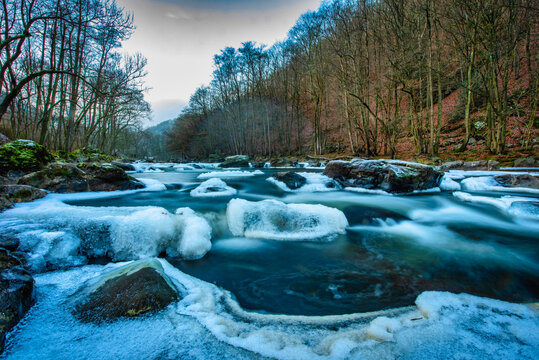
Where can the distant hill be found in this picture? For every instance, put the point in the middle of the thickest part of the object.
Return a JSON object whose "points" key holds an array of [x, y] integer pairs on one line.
{"points": [[161, 128]]}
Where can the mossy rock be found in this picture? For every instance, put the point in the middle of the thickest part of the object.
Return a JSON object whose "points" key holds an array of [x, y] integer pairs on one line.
{"points": [[132, 290], [23, 155]]}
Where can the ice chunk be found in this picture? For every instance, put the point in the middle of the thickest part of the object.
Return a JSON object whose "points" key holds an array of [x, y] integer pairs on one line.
{"points": [[487, 183], [382, 328], [229, 174], [152, 184], [212, 188], [271, 219], [449, 184], [517, 206], [57, 235], [195, 240]]}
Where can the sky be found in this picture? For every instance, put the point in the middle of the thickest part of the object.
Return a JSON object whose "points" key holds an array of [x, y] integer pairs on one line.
{"points": [[180, 37]]}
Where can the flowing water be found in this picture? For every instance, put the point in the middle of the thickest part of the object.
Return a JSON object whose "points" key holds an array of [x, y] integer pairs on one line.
{"points": [[395, 248], [478, 240]]}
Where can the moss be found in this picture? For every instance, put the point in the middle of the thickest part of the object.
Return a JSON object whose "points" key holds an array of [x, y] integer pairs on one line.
{"points": [[22, 194], [23, 155]]}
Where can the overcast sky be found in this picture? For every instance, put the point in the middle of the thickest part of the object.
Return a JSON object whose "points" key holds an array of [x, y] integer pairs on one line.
{"points": [[180, 37]]}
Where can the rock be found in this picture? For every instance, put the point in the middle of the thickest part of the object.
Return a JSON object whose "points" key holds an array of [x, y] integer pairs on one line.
{"points": [[470, 165], [291, 179], [215, 158], [259, 164], [525, 162], [16, 293], [235, 161], [472, 141], [4, 139], [9, 242], [68, 178], [124, 166], [521, 180], [5, 203], [283, 162], [387, 175], [129, 291], [21, 193], [23, 155]]}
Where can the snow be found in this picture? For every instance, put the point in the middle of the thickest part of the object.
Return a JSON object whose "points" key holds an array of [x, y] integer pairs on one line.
{"points": [[229, 174], [316, 182], [382, 327], [213, 187], [272, 219]]}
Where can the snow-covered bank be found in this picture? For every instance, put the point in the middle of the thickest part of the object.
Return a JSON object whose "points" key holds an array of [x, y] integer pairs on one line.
{"points": [[209, 324]]}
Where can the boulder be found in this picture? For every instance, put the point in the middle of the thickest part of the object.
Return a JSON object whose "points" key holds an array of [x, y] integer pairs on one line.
{"points": [[124, 166], [129, 291], [5, 203], [388, 175], [21, 193], [525, 162], [68, 178], [235, 161], [283, 162], [4, 139], [23, 155], [291, 179], [16, 293], [520, 180], [470, 165]]}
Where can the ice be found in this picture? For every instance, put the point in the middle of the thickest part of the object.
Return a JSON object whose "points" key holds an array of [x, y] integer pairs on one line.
{"points": [[152, 184], [58, 235], [449, 184], [512, 204], [213, 187], [382, 327], [487, 183], [272, 219], [229, 174], [316, 182], [367, 191], [196, 235]]}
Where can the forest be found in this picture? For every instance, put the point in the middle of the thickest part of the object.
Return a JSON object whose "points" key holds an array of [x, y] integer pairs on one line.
{"points": [[358, 77], [374, 78], [63, 81]]}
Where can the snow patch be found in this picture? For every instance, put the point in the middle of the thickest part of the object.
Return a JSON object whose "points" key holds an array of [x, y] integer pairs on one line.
{"points": [[382, 328]]}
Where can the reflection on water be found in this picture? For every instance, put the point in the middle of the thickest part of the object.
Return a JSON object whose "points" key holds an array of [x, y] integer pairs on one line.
{"points": [[395, 248]]}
